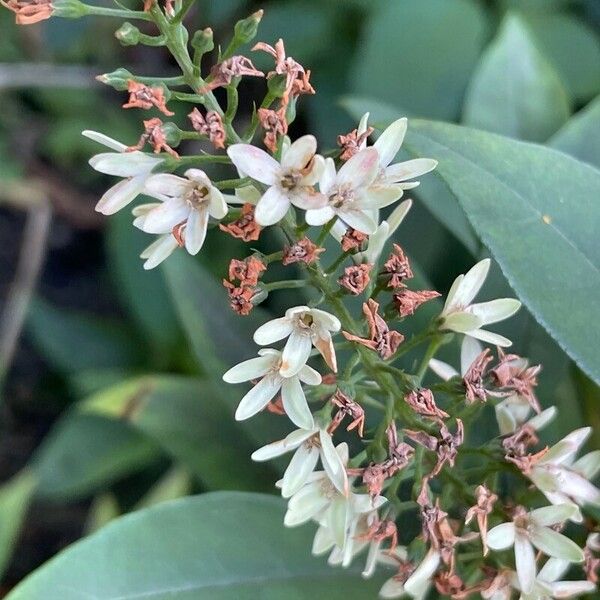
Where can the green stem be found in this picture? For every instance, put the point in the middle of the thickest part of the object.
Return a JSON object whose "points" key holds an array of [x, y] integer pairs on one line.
{"points": [[285, 284], [433, 347], [101, 11], [332, 268]]}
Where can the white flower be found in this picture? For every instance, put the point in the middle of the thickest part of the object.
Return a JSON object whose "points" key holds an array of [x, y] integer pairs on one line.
{"points": [[547, 586], [268, 366], [463, 317], [305, 327], [290, 182], [135, 167], [319, 499], [349, 195], [162, 247], [561, 478], [417, 585], [470, 349], [186, 204], [533, 529], [309, 445]]}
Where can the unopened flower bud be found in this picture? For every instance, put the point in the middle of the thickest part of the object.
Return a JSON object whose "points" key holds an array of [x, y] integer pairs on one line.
{"points": [[172, 133], [118, 79], [69, 9], [128, 34], [246, 29], [202, 41], [277, 85]]}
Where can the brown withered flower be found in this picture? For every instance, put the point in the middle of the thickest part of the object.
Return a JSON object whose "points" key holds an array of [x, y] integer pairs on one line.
{"points": [[352, 142], [406, 301], [473, 379], [28, 12], [247, 271], [210, 126], [144, 96], [347, 407], [274, 125], [448, 583], [240, 298], [155, 136], [356, 278], [513, 374], [445, 445], [302, 251], [245, 227], [353, 240], [379, 531], [485, 504], [223, 73], [397, 268], [381, 339], [423, 403]]}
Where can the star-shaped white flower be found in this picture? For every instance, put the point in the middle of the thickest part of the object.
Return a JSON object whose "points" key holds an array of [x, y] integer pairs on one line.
{"points": [[268, 366], [533, 529], [134, 167], [349, 195], [463, 317], [419, 582], [562, 479], [185, 207], [306, 327], [290, 182], [308, 445]]}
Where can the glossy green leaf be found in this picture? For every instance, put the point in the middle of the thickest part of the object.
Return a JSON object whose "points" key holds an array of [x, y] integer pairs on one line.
{"points": [[420, 55], [580, 137], [176, 483], [71, 341], [15, 497], [84, 453], [573, 48], [190, 422], [515, 91], [221, 546], [537, 210]]}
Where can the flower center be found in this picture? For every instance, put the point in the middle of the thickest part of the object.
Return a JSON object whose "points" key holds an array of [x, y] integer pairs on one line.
{"points": [[327, 489], [197, 196], [290, 179], [341, 196]]}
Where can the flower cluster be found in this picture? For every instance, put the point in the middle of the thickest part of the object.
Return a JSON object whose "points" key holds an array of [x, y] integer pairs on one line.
{"points": [[375, 446]]}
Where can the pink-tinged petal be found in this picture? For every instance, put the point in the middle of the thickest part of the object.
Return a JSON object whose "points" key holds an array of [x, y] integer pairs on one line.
{"points": [[360, 170], [164, 217], [501, 537], [298, 155], [303, 463], [525, 562], [120, 195], [295, 354], [409, 169], [358, 220], [273, 331], [249, 369], [555, 544], [308, 199], [104, 140], [333, 463], [295, 405], [258, 397], [195, 231], [217, 206], [165, 184], [389, 142], [319, 216], [495, 310], [272, 207], [326, 348], [158, 251], [254, 162], [490, 337]]}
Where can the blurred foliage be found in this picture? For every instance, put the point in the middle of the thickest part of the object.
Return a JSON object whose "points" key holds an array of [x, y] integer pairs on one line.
{"points": [[139, 362]]}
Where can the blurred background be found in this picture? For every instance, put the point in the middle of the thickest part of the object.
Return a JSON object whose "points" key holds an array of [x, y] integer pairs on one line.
{"points": [[78, 314]]}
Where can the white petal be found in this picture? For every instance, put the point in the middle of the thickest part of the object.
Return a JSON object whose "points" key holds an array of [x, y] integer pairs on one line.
{"points": [[309, 376], [588, 465], [389, 142], [398, 215], [502, 536], [360, 170], [442, 369], [326, 320], [299, 153], [392, 588], [333, 464], [470, 349], [307, 199], [472, 282], [570, 589], [409, 169], [525, 562], [254, 162], [166, 216], [280, 447], [328, 174], [295, 354], [273, 331], [258, 397], [305, 504], [553, 570], [495, 310], [337, 515], [461, 322], [450, 303], [294, 403], [158, 251], [538, 422], [166, 184], [124, 164], [555, 544], [319, 216], [506, 420], [217, 207], [378, 196], [490, 338], [323, 541], [301, 466], [120, 195], [375, 245], [358, 220], [272, 207], [423, 572], [551, 515], [195, 231], [104, 140], [249, 369]]}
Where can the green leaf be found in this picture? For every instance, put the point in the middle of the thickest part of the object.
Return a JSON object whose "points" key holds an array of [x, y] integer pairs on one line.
{"points": [[217, 546], [514, 90], [15, 497], [71, 341], [420, 55], [580, 137], [573, 48], [104, 509], [537, 211], [191, 423], [176, 483], [84, 453], [143, 292]]}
